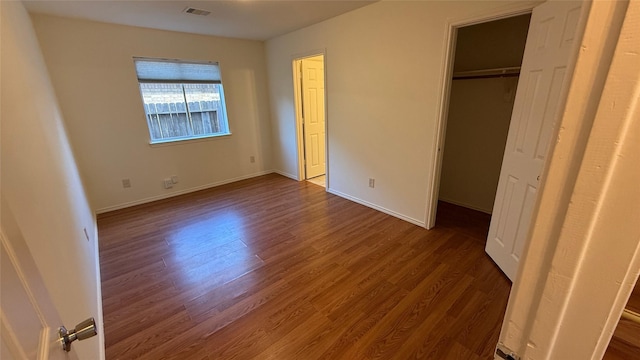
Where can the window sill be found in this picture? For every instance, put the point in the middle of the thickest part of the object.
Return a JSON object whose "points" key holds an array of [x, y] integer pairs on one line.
{"points": [[171, 142]]}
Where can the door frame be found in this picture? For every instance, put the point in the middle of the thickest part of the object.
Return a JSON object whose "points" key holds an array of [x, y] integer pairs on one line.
{"points": [[445, 92], [297, 99]]}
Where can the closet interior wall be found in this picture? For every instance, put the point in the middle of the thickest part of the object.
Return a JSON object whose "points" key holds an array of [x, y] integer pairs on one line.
{"points": [[486, 66]]}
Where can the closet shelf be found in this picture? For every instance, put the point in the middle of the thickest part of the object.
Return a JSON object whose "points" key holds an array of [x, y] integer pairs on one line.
{"points": [[487, 73]]}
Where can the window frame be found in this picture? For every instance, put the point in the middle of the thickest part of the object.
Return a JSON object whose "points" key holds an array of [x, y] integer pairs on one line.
{"points": [[221, 114]]}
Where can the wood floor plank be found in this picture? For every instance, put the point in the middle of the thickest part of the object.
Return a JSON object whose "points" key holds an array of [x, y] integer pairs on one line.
{"points": [[159, 331], [271, 268], [459, 352], [134, 294], [389, 332], [430, 339], [350, 340]]}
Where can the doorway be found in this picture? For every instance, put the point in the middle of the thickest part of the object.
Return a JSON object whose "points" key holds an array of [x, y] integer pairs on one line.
{"points": [[309, 87], [541, 88], [486, 69], [486, 65]]}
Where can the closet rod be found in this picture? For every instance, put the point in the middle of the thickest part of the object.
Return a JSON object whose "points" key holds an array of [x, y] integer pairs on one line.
{"points": [[631, 315], [487, 73]]}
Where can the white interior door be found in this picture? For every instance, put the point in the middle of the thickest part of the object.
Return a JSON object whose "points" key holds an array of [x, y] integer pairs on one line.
{"points": [[546, 55], [29, 321], [313, 115]]}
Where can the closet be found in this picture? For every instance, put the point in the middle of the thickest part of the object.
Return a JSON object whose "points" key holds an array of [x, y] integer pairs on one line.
{"points": [[485, 77]]}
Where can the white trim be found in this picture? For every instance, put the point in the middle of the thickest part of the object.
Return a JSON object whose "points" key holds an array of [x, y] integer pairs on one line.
{"points": [[43, 346], [297, 108], [452, 26], [23, 279], [190, 140], [290, 176], [507, 11], [181, 192], [44, 351], [308, 54], [377, 207], [9, 338], [99, 316]]}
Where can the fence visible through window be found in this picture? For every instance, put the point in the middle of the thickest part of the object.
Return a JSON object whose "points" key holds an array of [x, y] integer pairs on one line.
{"points": [[176, 111]]}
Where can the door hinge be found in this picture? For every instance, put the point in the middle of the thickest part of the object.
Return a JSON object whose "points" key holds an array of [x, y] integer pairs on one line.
{"points": [[505, 353]]}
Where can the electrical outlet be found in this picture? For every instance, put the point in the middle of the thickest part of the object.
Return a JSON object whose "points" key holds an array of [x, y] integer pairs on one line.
{"points": [[372, 182], [174, 179], [252, 159], [168, 184], [126, 183]]}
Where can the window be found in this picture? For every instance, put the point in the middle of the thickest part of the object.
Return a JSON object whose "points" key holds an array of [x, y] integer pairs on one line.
{"points": [[182, 100]]}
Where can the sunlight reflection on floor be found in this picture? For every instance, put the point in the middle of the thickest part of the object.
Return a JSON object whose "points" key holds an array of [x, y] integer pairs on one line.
{"points": [[204, 248]]}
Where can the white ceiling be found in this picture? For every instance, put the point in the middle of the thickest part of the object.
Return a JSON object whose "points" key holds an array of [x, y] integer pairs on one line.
{"points": [[246, 19]]}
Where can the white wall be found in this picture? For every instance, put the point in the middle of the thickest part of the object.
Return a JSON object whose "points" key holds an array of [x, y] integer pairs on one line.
{"points": [[384, 70], [92, 71], [43, 199]]}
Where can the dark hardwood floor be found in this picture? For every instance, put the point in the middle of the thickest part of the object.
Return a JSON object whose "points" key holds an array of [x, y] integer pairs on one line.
{"points": [[271, 268], [625, 343]]}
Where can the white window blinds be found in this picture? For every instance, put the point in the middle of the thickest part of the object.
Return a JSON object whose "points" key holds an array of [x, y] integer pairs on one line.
{"points": [[168, 71]]}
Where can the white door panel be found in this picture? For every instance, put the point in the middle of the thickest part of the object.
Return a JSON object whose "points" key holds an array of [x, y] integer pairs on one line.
{"points": [[313, 115], [28, 320], [542, 75]]}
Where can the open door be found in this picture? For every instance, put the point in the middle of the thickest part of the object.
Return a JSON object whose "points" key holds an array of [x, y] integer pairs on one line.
{"points": [[29, 320], [583, 259], [309, 101], [544, 66], [313, 115]]}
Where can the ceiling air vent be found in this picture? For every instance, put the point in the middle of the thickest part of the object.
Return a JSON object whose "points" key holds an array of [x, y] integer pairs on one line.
{"points": [[194, 11]]}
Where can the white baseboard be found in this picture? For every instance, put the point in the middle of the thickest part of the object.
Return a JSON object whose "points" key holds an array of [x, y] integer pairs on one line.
{"points": [[181, 192], [420, 223], [468, 206], [293, 177], [227, 181]]}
